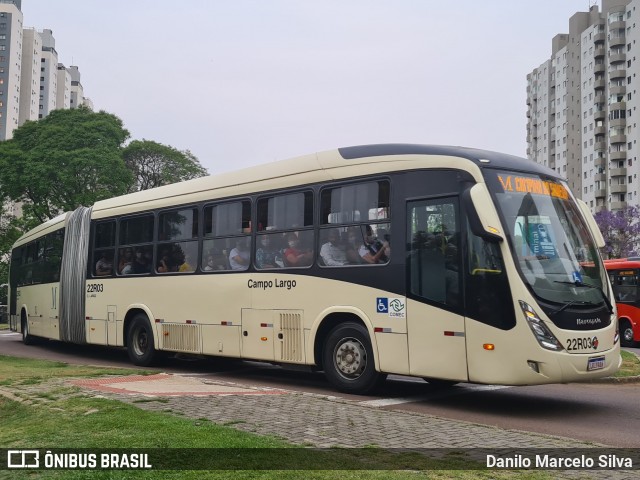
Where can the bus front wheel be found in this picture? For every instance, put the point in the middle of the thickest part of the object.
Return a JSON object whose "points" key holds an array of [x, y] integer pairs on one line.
{"points": [[626, 334], [140, 345], [348, 359]]}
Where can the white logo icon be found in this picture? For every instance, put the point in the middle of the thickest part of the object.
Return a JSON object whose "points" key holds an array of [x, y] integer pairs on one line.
{"points": [[23, 459]]}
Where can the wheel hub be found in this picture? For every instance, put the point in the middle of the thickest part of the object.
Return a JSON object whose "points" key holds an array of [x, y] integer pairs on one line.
{"points": [[350, 358]]}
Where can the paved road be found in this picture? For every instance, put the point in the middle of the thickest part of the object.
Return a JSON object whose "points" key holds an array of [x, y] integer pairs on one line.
{"points": [[602, 413]]}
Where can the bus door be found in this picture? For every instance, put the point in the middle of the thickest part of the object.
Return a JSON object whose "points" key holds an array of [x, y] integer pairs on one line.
{"points": [[435, 314]]}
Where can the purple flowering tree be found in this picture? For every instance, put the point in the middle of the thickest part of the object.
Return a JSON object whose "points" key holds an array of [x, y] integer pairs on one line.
{"points": [[621, 231]]}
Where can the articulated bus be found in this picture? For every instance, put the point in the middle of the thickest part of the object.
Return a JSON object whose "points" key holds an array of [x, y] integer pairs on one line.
{"points": [[624, 274], [445, 263]]}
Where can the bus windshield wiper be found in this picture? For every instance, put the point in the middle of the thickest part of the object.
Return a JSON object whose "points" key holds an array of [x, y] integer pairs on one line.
{"points": [[586, 285], [572, 302]]}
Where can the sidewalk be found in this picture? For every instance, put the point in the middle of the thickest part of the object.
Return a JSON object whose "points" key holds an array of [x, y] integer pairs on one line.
{"points": [[309, 419]]}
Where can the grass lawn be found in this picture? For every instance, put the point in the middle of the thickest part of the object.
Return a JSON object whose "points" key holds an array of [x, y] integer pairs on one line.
{"points": [[630, 365]]}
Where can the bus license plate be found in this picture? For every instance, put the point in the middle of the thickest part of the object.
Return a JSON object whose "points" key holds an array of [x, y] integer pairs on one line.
{"points": [[595, 363]]}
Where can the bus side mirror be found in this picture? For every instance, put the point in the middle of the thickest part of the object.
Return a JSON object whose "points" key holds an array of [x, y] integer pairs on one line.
{"points": [[481, 213], [593, 226]]}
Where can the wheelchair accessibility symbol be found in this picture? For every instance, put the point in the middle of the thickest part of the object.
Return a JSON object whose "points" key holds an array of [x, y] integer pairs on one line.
{"points": [[382, 305], [394, 307]]}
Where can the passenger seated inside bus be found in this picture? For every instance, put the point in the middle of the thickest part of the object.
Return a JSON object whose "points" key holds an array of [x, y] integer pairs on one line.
{"points": [[187, 264], [239, 257], [104, 265], [140, 263], [296, 255], [215, 262], [266, 253], [352, 246], [373, 250], [333, 253], [125, 265], [165, 264]]}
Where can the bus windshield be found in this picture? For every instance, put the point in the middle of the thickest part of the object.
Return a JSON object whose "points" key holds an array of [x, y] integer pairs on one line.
{"points": [[552, 245]]}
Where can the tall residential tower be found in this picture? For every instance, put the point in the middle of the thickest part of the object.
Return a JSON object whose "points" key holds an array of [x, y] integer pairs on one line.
{"points": [[582, 119]]}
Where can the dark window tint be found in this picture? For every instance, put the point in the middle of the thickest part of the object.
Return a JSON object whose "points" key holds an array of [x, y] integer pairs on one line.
{"points": [[488, 296], [54, 243], [105, 234], [178, 225], [355, 203], [136, 230]]}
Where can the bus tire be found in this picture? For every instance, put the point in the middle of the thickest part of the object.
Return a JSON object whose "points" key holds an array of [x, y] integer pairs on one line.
{"points": [[348, 359], [27, 338], [140, 344], [626, 334]]}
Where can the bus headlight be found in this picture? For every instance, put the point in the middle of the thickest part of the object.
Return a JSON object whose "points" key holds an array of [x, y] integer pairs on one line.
{"points": [[545, 338]]}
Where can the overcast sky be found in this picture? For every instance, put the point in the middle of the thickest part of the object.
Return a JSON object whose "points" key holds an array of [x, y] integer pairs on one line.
{"points": [[242, 82]]}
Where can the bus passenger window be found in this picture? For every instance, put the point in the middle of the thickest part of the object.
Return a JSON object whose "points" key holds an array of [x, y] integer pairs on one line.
{"points": [[178, 250], [135, 254], [285, 223], [355, 225], [103, 248], [227, 244]]}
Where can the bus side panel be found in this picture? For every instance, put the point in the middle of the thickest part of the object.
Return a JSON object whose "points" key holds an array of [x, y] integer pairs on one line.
{"points": [[174, 302], [42, 313], [436, 342]]}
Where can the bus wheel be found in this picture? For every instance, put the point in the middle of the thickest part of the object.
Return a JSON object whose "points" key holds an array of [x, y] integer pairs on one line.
{"points": [[348, 359], [140, 346], [626, 334], [27, 338]]}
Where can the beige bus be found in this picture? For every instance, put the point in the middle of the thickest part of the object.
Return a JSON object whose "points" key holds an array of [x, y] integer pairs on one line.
{"points": [[445, 263]]}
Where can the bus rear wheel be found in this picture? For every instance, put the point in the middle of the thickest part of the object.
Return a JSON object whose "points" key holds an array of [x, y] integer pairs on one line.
{"points": [[626, 334], [27, 338], [140, 344], [348, 359]]}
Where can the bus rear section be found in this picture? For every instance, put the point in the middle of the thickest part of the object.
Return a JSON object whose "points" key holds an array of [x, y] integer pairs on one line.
{"points": [[623, 274]]}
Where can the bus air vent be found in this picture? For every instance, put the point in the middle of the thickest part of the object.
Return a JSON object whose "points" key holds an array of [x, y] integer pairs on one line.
{"points": [[183, 338], [291, 337]]}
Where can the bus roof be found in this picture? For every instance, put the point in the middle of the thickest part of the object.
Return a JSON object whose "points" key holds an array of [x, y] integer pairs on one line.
{"points": [[318, 167]]}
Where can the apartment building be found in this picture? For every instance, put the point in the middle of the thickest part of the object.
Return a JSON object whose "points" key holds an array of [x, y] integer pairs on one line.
{"points": [[32, 81], [582, 117], [48, 75], [30, 75], [10, 64]]}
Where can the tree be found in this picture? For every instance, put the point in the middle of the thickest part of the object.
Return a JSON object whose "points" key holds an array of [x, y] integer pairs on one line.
{"points": [[153, 164], [68, 159], [621, 231], [11, 228]]}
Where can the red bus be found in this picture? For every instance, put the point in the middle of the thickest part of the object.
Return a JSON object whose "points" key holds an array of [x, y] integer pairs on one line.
{"points": [[625, 274]]}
